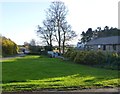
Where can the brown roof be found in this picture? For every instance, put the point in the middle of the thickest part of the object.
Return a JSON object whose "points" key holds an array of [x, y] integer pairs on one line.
{"points": [[105, 40]]}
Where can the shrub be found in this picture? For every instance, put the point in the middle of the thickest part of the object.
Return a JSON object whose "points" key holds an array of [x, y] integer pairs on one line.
{"points": [[73, 54], [90, 58], [8, 47], [67, 54], [113, 61], [95, 58], [48, 48], [80, 57], [100, 57], [35, 50]]}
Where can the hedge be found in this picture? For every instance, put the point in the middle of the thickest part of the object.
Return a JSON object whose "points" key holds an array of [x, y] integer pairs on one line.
{"points": [[94, 58]]}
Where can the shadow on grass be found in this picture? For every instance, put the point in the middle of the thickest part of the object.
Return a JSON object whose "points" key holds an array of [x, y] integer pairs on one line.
{"points": [[43, 72]]}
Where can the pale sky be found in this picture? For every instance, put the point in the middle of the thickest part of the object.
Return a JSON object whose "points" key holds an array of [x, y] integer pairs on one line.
{"points": [[19, 20]]}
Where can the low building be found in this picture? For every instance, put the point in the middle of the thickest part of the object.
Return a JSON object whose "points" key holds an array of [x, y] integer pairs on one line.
{"points": [[80, 45], [111, 44]]}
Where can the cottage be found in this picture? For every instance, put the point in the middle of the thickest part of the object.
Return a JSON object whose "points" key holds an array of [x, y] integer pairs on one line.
{"points": [[111, 44], [80, 45]]}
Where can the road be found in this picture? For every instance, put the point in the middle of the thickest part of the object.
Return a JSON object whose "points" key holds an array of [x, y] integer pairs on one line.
{"points": [[84, 91]]}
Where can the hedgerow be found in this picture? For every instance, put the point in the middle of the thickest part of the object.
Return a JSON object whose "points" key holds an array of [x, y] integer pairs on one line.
{"points": [[94, 58]]}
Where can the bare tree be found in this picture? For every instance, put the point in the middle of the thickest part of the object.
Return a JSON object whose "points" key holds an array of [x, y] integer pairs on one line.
{"points": [[56, 27], [67, 35], [46, 32], [57, 12]]}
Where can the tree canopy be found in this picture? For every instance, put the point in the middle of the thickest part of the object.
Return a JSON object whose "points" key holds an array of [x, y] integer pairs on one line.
{"points": [[106, 32]]}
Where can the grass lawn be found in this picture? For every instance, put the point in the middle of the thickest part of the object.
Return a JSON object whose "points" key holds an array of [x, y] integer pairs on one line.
{"points": [[39, 72]]}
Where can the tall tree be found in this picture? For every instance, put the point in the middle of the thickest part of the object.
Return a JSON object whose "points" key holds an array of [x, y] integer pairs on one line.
{"points": [[99, 29], [89, 34], [67, 34], [83, 35], [57, 12], [46, 32], [56, 27], [106, 32], [106, 28]]}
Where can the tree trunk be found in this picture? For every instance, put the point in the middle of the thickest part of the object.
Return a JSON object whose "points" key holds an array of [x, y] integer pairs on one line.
{"points": [[59, 37], [51, 42], [64, 44]]}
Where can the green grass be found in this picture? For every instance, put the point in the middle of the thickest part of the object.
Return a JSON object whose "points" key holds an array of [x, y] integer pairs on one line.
{"points": [[39, 72]]}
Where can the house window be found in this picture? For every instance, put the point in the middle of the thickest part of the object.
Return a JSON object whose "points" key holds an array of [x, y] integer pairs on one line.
{"points": [[99, 46], [114, 47], [104, 47]]}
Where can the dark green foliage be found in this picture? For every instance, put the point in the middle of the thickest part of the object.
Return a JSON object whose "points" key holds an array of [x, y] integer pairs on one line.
{"points": [[35, 50], [80, 57], [109, 32], [8, 47], [86, 36], [94, 58], [100, 57], [67, 54], [39, 50], [48, 48], [90, 58], [73, 54], [106, 32], [112, 61]]}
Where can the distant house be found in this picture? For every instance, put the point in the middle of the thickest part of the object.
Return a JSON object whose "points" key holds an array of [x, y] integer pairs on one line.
{"points": [[111, 44], [80, 45]]}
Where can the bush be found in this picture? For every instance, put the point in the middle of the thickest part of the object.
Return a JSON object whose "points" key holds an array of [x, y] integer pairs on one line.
{"points": [[113, 61], [73, 55], [94, 58], [91, 58], [35, 50], [67, 54], [86, 57], [100, 57], [48, 48], [80, 57], [8, 47]]}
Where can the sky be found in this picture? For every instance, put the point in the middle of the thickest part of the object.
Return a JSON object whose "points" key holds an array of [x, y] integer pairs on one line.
{"points": [[19, 18]]}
